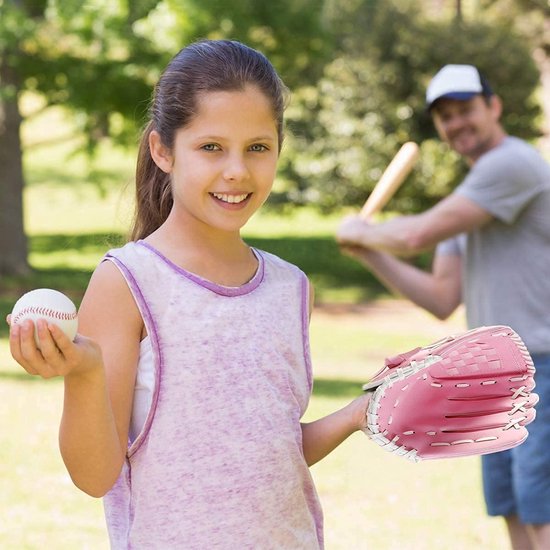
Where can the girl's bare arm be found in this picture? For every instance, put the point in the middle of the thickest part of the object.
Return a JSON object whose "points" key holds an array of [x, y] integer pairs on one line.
{"points": [[321, 437], [99, 370], [98, 403]]}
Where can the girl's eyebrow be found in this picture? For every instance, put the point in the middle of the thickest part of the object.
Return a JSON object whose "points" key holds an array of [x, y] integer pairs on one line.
{"points": [[222, 138]]}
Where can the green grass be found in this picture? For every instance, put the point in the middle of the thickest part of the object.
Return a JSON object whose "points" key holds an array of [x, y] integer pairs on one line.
{"points": [[370, 499]]}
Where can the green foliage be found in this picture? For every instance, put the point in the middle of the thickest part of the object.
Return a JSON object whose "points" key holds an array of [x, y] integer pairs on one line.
{"points": [[371, 99], [101, 58], [84, 56], [357, 69], [290, 33]]}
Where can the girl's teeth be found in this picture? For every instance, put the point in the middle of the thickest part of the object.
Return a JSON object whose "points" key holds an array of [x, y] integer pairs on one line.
{"points": [[230, 198]]}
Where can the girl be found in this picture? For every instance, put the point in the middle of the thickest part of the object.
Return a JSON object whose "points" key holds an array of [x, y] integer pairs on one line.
{"points": [[185, 387]]}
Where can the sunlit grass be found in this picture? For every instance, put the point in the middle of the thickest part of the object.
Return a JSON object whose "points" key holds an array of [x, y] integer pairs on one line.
{"points": [[371, 500], [39, 506]]}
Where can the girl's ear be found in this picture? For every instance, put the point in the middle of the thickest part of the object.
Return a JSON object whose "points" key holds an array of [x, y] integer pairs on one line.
{"points": [[160, 153]]}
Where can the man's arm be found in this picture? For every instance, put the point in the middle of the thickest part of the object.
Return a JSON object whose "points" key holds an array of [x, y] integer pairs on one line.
{"points": [[375, 245], [407, 235], [438, 291]]}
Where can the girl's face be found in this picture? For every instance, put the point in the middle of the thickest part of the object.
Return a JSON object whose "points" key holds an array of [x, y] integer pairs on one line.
{"points": [[223, 163]]}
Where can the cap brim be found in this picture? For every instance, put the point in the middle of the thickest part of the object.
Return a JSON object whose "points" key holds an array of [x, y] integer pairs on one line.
{"points": [[460, 96]]}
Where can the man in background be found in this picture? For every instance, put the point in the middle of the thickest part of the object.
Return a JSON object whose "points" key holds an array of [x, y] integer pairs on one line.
{"points": [[492, 239]]}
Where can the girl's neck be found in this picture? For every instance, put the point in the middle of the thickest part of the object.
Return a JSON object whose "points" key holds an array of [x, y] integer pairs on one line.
{"points": [[220, 257]]}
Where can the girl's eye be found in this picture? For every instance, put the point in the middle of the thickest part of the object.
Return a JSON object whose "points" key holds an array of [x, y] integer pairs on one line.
{"points": [[258, 147], [210, 147]]}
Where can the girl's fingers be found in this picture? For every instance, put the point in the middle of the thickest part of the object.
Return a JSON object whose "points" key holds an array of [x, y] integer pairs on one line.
{"points": [[62, 342], [60, 352], [48, 346], [19, 350], [56, 354], [25, 351], [65, 356]]}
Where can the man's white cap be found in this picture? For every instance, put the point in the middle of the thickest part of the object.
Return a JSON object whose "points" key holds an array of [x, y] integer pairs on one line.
{"points": [[456, 82]]}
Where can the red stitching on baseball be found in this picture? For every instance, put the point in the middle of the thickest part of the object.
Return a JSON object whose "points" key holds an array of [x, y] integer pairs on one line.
{"points": [[44, 312]]}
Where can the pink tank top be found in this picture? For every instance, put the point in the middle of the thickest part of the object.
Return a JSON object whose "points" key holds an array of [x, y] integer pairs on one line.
{"points": [[219, 462]]}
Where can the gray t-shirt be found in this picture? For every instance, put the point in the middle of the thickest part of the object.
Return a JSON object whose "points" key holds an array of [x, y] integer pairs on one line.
{"points": [[506, 263]]}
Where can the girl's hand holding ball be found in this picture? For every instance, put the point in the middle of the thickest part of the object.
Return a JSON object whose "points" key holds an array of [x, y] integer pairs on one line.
{"points": [[52, 306], [55, 350]]}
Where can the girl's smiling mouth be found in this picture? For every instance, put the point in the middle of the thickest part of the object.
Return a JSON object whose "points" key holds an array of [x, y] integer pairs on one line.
{"points": [[231, 199]]}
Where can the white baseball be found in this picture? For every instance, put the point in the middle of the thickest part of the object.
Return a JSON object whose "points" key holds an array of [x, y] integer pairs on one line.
{"points": [[48, 304]]}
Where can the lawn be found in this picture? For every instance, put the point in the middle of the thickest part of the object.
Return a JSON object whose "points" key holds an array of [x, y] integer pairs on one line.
{"points": [[370, 499]]}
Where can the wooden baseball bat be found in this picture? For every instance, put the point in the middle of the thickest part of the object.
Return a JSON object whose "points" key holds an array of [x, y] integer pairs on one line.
{"points": [[393, 176]]}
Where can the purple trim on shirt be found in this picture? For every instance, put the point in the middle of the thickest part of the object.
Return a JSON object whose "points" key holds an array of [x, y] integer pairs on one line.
{"points": [[153, 335], [218, 289], [305, 330]]}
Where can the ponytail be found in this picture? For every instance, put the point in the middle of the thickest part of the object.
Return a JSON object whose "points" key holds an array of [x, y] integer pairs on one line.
{"points": [[200, 68], [153, 192]]}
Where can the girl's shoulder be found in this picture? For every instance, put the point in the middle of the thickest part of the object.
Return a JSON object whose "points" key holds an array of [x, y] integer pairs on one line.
{"points": [[130, 249], [107, 301], [135, 257], [273, 260]]}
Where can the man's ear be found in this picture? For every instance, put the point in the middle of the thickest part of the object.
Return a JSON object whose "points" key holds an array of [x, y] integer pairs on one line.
{"points": [[161, 154], [496, 105]]}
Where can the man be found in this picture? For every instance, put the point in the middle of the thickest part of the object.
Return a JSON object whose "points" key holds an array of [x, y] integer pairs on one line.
{"points": [[493, 253]]}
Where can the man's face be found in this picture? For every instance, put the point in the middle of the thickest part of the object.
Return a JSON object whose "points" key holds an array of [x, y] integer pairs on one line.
{"points": [[470, 127]]}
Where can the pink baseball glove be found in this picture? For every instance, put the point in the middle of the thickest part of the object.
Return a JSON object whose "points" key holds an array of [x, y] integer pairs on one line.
{"points": [[469, 394]]}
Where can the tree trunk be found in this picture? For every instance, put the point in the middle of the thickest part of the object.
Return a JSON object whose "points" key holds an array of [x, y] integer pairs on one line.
{"points": [[13, 241]]}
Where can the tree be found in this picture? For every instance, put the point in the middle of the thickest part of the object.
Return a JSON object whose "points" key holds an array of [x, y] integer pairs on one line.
{"points": [[101, 58], [72, 54], [13, 243], [371, 99], [531, 18]]}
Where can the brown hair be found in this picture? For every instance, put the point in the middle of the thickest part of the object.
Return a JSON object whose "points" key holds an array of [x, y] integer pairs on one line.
{"points": [[202, 67]]}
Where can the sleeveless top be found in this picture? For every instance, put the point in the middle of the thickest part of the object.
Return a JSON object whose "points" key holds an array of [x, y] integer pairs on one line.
{"points": [[219, 462]]}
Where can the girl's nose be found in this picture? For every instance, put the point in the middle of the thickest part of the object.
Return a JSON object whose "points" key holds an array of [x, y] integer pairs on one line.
{"points": [[235, 169]]}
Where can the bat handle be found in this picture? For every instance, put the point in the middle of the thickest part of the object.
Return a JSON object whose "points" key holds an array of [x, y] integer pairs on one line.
{"points": [[391, 179]]}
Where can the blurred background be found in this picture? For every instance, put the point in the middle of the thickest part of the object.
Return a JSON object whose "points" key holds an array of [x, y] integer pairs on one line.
{"points": [[357, 70], [75, 82]]}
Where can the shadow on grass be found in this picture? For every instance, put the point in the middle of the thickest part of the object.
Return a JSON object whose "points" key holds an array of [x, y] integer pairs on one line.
{"points": [[77, 243], [319, 257], [59, 178]]}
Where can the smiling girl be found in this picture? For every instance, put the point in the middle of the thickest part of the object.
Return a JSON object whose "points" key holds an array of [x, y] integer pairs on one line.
{"points": [[185, 387]]}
